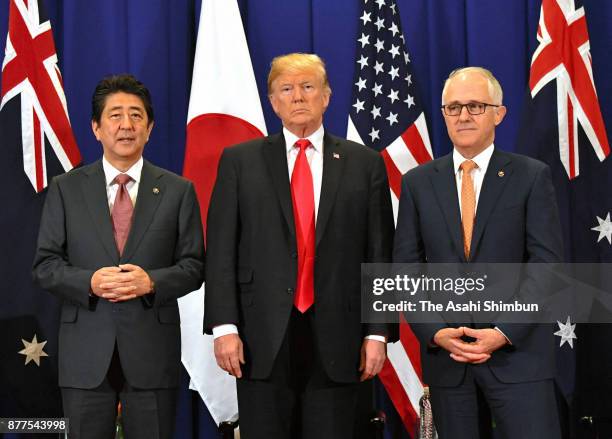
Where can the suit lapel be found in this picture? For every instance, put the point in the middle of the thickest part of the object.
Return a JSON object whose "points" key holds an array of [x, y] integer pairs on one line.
{"points": [[498, 173], [96, 199], [445, 188], [151, 190], [275, 153], [333, 165]]}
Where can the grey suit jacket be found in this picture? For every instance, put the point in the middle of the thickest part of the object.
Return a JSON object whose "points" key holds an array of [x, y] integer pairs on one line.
{"points": [[516, 221], [76, 239]]}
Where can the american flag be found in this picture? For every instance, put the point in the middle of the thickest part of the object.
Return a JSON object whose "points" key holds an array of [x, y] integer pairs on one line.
{"points": [[387, 115], [30, 72]]}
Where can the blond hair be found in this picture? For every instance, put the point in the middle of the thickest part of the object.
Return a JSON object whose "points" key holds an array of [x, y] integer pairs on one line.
{"points": [[297, 63], [495, 90]]}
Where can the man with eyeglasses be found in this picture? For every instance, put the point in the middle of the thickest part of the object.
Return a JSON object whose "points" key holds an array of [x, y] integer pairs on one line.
{"points": [[481, 204]]}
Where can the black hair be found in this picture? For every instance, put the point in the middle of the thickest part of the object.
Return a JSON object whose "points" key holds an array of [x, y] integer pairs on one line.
{"points": [[124, 83]]}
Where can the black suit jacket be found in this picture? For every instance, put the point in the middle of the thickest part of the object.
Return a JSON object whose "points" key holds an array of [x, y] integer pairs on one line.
{"points": [[76, 239], [516, 221], [251, 244]]}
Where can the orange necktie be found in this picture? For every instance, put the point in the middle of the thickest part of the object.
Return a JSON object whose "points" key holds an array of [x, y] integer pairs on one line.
{"points": [[468, 204], [302, 195]]}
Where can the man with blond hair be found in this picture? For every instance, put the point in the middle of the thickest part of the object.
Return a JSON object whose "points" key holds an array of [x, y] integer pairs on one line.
{"points": [[291, 218], [482, 205]]}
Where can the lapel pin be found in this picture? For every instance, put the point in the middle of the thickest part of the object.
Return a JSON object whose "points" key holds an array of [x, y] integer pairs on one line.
{"points": [[156, 191], [500, 174], [336, 155]]}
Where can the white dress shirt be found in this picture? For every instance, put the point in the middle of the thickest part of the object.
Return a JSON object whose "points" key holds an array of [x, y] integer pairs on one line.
{"points": [[110, 172], [314, 154]]}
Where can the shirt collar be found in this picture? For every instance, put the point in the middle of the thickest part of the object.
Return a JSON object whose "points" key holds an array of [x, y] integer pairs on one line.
{"points": [[110, 172], [316, 139], [482, 159]]}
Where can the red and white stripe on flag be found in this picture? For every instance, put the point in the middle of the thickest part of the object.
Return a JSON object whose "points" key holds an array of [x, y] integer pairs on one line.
{"points": [[30, 71], [563, 55], [224, 109]]}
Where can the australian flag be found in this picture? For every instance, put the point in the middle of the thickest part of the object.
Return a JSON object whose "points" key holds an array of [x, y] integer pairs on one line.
{"points": [[36, 143], [563, 126]]}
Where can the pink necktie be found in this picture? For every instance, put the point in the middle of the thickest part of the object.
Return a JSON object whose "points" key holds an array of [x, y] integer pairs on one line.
{"points": [[122, 212], [302, 195]]}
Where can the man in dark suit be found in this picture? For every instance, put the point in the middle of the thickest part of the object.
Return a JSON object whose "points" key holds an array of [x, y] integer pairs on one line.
{"points": [[480, 204], [120, 240], [283, 295]]}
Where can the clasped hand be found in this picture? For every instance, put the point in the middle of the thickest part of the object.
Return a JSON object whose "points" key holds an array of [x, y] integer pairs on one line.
{"points": [[118, 284], [487, 341]]}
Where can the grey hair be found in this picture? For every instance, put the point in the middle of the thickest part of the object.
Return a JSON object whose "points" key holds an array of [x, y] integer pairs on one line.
{"points": [[495, 90]]}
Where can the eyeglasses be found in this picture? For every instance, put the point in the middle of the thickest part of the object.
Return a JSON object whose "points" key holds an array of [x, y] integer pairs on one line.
{"points": [[474, 108]]}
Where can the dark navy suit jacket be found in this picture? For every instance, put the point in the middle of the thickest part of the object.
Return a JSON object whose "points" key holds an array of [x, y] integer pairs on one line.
{"points": [[516, 222]]}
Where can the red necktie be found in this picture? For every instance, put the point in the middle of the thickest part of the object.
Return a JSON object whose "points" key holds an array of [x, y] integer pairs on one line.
{"points": [[302, 195], [122, 212]]}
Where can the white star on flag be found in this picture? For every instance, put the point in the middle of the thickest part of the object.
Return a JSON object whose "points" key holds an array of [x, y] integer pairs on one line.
{"points": [[364, 40], [33, 350], [566, 332], [374, 134], [394, 51], [394, 29], [392, 118], [393, 96], [410, 101], [363, 61], [378, 67], [361, 84], [380, 23], [380, 45], [604, 228], [377, 89], [394, 72], [375, 112], [358, 105], [365, 17]]}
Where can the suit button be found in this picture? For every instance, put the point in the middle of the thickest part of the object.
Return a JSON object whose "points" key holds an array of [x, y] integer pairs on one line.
{"points": [[294, 255], [289, 290]]}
